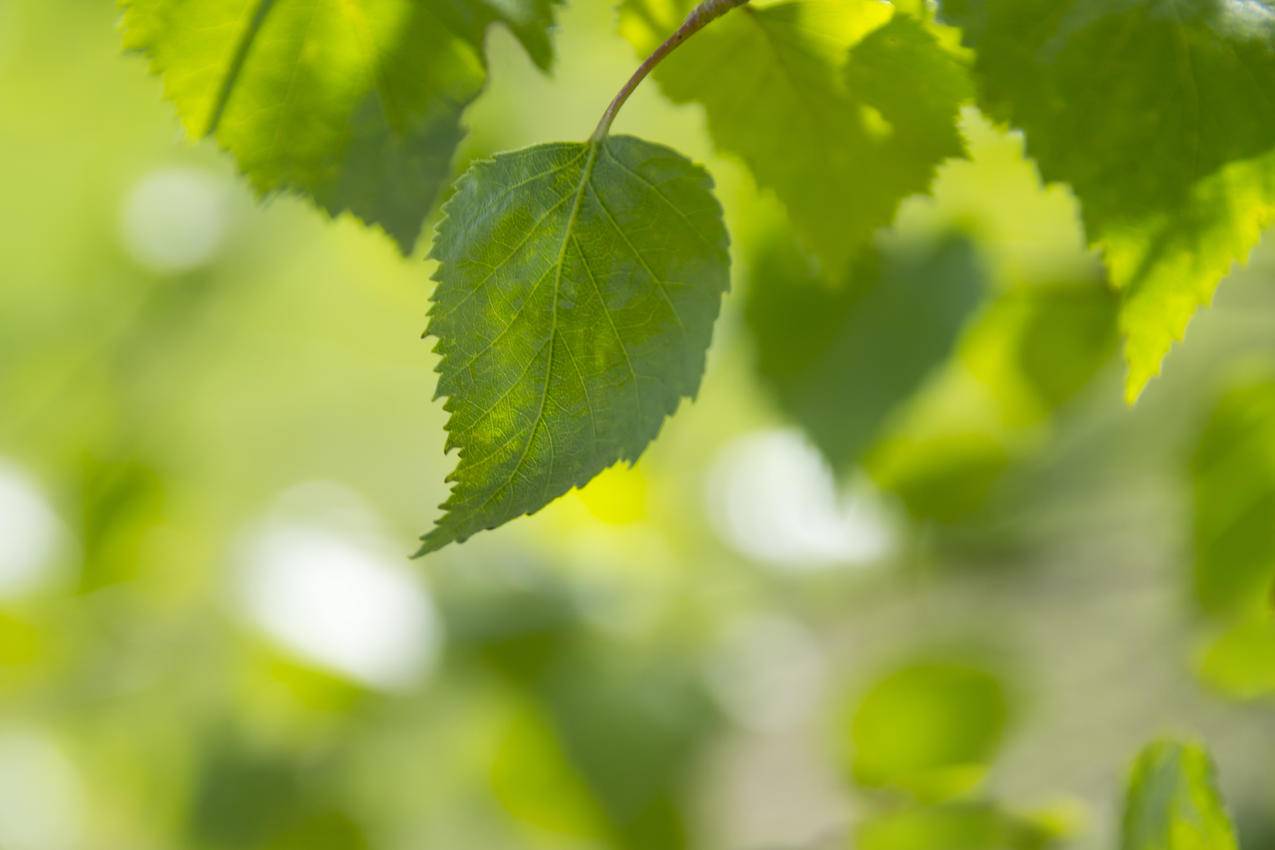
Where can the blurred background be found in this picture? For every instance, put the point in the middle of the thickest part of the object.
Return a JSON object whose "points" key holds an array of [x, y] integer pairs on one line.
{"points": [[218, 447]]}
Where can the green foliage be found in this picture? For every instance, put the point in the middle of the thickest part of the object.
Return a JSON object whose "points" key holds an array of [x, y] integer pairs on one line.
{"points": [[862, 348], [577, 289], [356, 105], [209, 639], [929, 728], [835, 105], [1158, 114], [1173, 802]]}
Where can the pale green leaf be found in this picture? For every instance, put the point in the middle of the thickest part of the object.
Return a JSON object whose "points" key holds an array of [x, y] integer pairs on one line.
{"points": [[841, 360], [356, 104], [837, 107], [577, 289], [1160, 115], [1173, 802]]}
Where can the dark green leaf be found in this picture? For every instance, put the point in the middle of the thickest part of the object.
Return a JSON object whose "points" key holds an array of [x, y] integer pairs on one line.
{"points": [[577, 289]]}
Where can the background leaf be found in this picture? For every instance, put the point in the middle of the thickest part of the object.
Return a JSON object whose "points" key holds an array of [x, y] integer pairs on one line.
{"points": [[1160, 117], [577, 289], [840, 361], [356, 105]]}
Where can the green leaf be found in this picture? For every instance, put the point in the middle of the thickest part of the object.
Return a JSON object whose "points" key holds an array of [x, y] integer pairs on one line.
{"points": [[1159, 114], [837, 107], [863, 348], [1233, 484], [577, 289], [355, 104], [929, 728], [1173, 802]]}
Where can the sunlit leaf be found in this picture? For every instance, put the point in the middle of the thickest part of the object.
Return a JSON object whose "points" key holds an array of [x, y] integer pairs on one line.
{"points": [[1159, 116], [841, 360], [356, 105], [1233, 480], [1173, 802], [577, 289], [837, 107]]}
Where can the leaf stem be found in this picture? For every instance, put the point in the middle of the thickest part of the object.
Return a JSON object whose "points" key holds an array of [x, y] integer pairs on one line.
{"points": [[701, 16]]}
